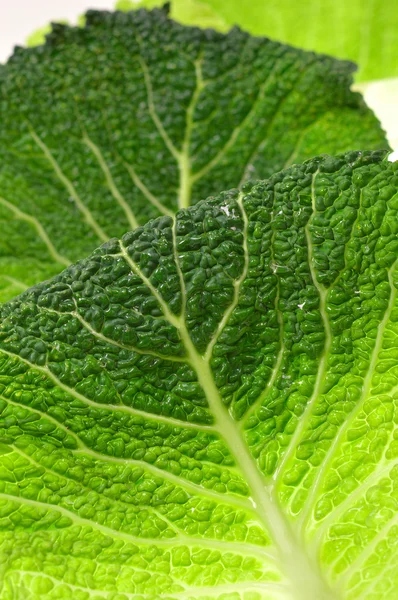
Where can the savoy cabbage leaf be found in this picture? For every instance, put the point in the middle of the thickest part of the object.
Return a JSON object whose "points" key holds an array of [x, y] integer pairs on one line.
{"points": [[133, 116], [362, 31], [206, 409]]}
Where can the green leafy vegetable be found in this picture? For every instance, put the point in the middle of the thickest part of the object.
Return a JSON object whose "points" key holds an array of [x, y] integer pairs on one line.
{"points": [[38, 36], [207, 408], [133, 115], [364, 32]]}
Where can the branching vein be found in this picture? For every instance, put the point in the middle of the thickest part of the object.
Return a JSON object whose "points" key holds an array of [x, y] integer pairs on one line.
{"points": [[145, 191], [108, 407], [184, 161], [241, 548], [131, 218], [88, 216], [153, 112], [23, 216], [320, 378], [88, 490], [366, 389], [237, 285], [276, 370]]}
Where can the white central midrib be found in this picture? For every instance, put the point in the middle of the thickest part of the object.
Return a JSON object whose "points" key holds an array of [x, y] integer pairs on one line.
{"points": [[184, 159], [298, 570], [301, 575]]}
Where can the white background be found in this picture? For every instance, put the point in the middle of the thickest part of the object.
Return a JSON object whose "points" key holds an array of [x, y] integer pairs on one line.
{"points": [[19, 18]]}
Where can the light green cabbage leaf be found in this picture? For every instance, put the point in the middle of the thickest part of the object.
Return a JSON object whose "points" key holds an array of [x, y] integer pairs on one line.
{"points": [[134, 115], [207, 408]]}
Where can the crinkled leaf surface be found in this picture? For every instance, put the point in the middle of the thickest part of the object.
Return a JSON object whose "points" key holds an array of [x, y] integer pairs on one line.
{"points": [[207, 408], [134, 115], [363, 31]]}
